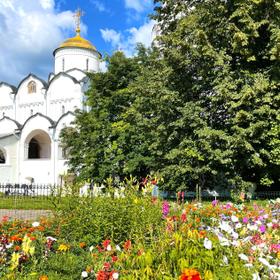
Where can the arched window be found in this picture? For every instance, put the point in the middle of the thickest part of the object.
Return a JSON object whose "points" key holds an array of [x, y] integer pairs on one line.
{"points": [[87, 62], [2, 157], [38, 145], [33, 149], [31, 87]]}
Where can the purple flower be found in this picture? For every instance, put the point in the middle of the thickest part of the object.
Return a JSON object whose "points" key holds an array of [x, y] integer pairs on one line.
{"points": [[215, 202], [228, 205], [245, 220], [165, 208], [262, 228]]}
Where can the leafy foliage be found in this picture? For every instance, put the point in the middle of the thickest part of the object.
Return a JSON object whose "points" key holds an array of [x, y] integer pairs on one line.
{"points": [[200, 108]]}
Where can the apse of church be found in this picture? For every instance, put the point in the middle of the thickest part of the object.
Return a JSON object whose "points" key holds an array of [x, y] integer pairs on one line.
{"points": [[33, 113]]}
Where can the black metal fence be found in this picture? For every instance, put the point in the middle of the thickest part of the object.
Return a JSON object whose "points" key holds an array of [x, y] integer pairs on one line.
{"points": [[28, 190], [42, 191]]}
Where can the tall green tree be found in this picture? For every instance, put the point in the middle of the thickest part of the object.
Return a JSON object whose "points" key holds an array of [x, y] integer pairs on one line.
{"points": [[225, 59], [93, 153]]}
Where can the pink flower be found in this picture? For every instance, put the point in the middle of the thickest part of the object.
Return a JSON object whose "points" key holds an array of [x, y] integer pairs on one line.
{"points": [[5, 219], [215, 202], [245, 220], [262, 228], [165, 209]]}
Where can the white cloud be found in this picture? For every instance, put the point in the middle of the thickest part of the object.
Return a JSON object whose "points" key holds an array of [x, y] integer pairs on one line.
{"points": [[127, 41], [98, 5], [111, 36], [138, 5], [29, 32]]}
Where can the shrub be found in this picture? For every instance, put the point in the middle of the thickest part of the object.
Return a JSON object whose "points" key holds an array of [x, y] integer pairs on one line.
{"points": [[94, 219]]}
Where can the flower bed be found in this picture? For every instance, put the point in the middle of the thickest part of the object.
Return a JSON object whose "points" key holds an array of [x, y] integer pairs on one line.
{"points": [[191, 241]]}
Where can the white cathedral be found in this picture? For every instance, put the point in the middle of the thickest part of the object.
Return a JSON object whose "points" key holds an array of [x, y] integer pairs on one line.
{"points": [[33, 114]]}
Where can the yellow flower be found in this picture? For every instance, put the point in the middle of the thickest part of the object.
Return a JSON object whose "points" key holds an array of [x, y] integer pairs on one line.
{"points": [[208, 275], [26, 246], [15, 260], [63, 247], [278, 255]]}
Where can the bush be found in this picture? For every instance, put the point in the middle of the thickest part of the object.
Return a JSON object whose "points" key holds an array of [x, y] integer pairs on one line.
{"points": [[94, 219]]}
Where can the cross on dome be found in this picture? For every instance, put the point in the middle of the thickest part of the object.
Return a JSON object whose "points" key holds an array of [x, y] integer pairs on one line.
{"points": [[78, 14]]}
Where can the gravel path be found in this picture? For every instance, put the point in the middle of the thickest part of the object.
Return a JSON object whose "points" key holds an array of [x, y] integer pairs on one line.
{"points": [[24, 214]]}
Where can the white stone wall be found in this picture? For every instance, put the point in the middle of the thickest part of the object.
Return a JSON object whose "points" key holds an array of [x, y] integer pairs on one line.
{"points": [[9, 170], [6, 101], [43, 113], [64, 94], [28, 104]]}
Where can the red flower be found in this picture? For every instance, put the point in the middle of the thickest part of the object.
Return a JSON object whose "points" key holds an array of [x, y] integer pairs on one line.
{"points": [[106, 266], [184, 217], [127, 245], [140, 252], [102, 275], [106, 243], [99, 249], [114, 258], [190, 274]]}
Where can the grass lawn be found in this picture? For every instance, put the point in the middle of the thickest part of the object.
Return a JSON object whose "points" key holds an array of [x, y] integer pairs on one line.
{"points": [[34, 203]]}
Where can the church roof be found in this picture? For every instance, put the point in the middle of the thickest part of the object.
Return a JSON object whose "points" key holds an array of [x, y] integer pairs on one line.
{"points": [[79, 42], [10, 86]]}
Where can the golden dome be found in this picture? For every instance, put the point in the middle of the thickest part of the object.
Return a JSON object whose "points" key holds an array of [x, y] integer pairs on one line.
{"points": [[78, 42]]}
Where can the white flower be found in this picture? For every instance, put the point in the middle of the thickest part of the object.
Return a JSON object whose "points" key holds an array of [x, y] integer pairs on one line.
{"points": [[91, 248], [234, 235], [224, 241], [225, 260], [243, 257], [235, 243], [51, 238], [248, 265], [238, 225], [264, 262], [246, 239], [258, 222], [252, 227], [118, 248], [115, 275], [269, 225], [256, 276], [84, 274], [207, 244], [10, 245], [109, 248], [234, 219], [225, 227], [35, 224]]}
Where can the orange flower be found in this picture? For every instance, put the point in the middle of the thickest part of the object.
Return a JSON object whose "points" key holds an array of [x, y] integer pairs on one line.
{"points": [[82, 245], [127, 245], [190, 274], [17, 248], [44, 277]]}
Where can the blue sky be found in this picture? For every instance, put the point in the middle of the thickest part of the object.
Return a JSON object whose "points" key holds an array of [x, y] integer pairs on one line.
{"points": [[31, 29]]}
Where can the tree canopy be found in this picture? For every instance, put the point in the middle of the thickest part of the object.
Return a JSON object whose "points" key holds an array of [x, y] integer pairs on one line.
{"points": [[200, 107]]}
